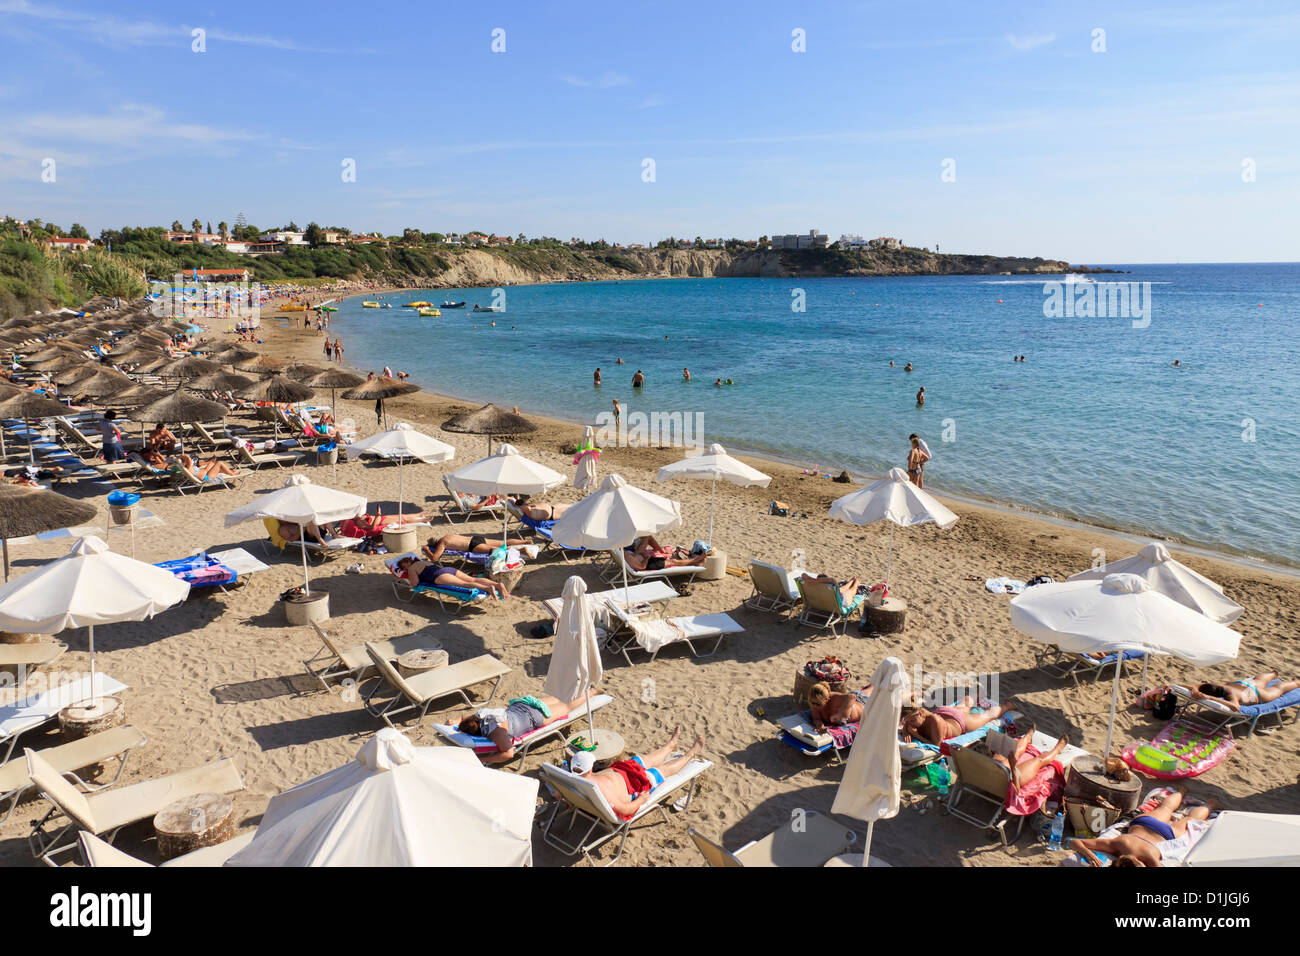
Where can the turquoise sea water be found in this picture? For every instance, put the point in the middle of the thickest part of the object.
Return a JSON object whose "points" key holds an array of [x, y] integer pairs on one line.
{"points": [[1095, 425]]}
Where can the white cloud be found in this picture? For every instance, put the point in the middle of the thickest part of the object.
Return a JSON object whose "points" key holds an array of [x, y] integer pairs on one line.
{"points": [[605, 81], [650, 102], [1030, 42]]}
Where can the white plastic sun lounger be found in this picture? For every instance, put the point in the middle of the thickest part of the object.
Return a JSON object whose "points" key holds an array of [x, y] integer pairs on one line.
{"points": [[654, 635], [812, 843], [655, 592], [40, 709], [115, 743], [340, 662], [418, 693], [585, 804], [95, 852], [774, 588], [522, 745], [107, 811], [460, 508], [27, 658]]}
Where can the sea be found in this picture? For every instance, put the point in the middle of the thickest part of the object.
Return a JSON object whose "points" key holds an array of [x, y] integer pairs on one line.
{"points": [[1097, 423]]}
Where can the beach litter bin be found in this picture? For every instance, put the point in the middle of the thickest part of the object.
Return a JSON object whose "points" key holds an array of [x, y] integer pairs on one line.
{"points": [[122, 506], [327, 454], [303, 609], [715, 566], [400, 538]]}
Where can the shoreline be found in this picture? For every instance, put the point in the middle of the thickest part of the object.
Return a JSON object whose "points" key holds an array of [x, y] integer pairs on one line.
{"points": [[1215, 551]]}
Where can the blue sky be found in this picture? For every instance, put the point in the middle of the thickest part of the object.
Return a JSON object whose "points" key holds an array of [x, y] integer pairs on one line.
{"points": [[1130, 155]]}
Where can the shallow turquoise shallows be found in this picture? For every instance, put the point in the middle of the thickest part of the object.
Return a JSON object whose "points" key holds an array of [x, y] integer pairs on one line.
{"points": [[1096, 424]]}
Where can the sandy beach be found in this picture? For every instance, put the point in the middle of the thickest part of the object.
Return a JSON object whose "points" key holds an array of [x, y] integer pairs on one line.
{"points": [[221, 676]]}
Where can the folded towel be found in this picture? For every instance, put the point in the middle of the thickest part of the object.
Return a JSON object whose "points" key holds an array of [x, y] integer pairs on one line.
{"points": [[1004, 585]]}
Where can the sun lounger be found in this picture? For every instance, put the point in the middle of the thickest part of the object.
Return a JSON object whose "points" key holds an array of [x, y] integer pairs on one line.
{"points": [[654, 594], [1219, 716], [142, 470], [823, 607], [95, 852], [186, 480], [679, 576], [39, 709], [543, 530], [797, 731], [205, 437], [986, 782], [74, 440], [339, 661], [249, 459], [447, 596], [461, 507], [114, 743], [1050, 659], [813, 841], [105, 812], [418, 693], [515, 557], [583, 804], [654, 634], [23, 659], [522, 745], [774, 588]]}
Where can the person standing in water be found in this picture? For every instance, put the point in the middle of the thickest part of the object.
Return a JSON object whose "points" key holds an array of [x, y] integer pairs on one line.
{"points": [[596, 378], [920, 397], [686, 374], [917, 456], [638, 380]]}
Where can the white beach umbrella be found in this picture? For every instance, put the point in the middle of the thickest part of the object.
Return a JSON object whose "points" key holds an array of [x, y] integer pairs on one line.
{"points": [[575, 662], [402, 442], [1121, 612], [505, 472], [615, 514], [1236, 838], [584, 477], [869, 790], [302, 503], [91, 585], [896, 500], [396, 804], [1173, 579], [715, 463]]}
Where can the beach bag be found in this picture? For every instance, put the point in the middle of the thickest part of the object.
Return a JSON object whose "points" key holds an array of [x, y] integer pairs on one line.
{"points": [[1166, 706], [829, 669], [778, 508]]}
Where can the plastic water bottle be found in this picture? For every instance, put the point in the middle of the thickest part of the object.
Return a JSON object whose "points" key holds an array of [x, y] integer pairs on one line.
{"points": [[1058, 829]]}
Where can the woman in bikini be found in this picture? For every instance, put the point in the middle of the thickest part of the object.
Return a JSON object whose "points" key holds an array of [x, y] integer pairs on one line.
{"points": [[1139, 845], [473, 543], [372, 526], [1244, 693], [916, 459], [647, 554], [419, 572], [828, 707], [544, 511], [944, 723]]}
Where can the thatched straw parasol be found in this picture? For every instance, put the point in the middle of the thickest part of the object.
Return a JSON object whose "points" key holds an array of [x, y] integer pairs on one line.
{"points": [[50, 352], [334, 378], [133, 397], [60, 363], [301, 371], [278, 389], [25, 510], [489, 420], [263, 365], [181, 406], [233, 355], [26, 405], [136, 356], [104, 382], [379, 389], [189, 367], [72, 376], [222, 380]]}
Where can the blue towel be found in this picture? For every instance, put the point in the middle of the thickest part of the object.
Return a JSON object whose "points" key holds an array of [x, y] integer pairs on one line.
{"points": [[450, 590]]}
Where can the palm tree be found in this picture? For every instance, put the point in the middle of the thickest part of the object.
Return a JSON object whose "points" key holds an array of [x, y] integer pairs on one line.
{"points": [[223, 227]]}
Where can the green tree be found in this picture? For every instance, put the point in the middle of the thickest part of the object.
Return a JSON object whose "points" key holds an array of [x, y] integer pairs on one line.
{"points": [[176, 226], [209, 226], [314, 235], [196, 226], [78, 231], [223, 227]]}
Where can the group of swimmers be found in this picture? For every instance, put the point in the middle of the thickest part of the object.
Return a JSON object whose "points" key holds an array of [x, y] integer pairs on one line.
{"points": [[638, 380]]}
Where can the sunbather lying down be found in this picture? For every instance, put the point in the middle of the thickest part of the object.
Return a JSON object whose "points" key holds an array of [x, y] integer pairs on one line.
{"points": [[1243, 693], [848, 589], [647, 554], [372, 526], [1140, 844], [419, 572], [628, 784], [289, 531], [473, 543], [1024, 762], [207, 467], [828, 707], [944, 723], [539, 510], [520, 716]]}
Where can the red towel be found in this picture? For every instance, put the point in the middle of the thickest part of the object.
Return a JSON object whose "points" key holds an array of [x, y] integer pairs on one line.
{"points": [[635, 779]]}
